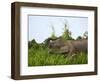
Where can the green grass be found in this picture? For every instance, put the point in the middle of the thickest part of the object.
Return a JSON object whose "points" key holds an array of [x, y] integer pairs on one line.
{"points": [[41, 57]]}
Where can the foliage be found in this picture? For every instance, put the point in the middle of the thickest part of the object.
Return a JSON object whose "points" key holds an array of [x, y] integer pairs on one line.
{"points": [[78, 38], [85, 35], [33, 44], [66, 34]]}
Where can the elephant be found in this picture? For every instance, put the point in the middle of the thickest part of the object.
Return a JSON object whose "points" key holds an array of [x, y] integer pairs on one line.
{"points": [[67, 47]]}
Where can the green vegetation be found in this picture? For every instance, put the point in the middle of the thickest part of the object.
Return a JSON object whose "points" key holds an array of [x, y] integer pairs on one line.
{"points": [[66, 34], [41, 57]]}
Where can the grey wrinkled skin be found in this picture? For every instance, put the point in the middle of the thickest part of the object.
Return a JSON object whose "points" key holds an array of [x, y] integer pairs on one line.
{"points": [[69, 47]]}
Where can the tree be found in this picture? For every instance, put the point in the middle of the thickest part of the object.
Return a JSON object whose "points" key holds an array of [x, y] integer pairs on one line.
{"points": [[66, 34], [85, 35], [33, 44], [79, 37]]}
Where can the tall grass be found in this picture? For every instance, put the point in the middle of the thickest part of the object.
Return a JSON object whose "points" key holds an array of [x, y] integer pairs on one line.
{"points": [[41, 57]]}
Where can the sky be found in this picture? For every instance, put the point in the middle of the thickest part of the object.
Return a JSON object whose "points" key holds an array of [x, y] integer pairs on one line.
{"points": [[40, 27]]}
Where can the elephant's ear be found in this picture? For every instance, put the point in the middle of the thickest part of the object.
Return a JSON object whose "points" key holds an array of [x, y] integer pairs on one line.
{"points": [[64, 49], [50, 41]]}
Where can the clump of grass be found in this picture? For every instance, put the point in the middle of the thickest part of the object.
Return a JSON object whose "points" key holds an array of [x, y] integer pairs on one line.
{"points": [[41, 57]]}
